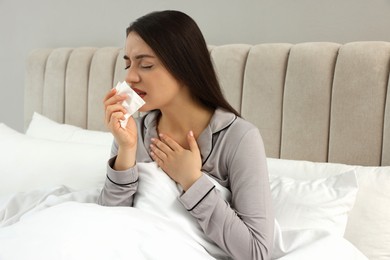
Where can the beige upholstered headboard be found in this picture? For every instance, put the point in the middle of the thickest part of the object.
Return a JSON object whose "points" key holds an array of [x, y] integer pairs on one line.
{"points": [[311, 101]]}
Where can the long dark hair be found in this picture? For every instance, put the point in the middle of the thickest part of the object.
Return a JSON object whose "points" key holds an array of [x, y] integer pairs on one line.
{"points": [[178, 42]]}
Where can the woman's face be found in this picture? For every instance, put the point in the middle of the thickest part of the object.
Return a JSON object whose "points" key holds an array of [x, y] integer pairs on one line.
{"points": [[147, 75]]}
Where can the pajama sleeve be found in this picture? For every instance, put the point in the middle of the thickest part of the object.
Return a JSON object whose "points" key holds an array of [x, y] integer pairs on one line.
{"points": [[244, 227], [120, 186]]}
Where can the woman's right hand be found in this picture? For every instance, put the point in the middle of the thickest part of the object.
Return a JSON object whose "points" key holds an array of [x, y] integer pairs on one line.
{"points": [[126, 138]]}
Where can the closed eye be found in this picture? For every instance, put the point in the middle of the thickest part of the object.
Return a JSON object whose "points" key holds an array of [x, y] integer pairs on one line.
{"points": [[147, 66]]}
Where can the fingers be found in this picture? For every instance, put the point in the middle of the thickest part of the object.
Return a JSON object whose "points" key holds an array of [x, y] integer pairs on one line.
{"points": [[157, 155], [167, 147], [167, 144], [192, 142], [114, 111], [110, 110], [161, 146], [110, 93], [170, 142], [111, 98], [160, 150]]}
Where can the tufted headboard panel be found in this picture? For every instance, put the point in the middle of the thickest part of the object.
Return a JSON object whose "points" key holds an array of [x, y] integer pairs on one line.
{"points": [[323, 102]]}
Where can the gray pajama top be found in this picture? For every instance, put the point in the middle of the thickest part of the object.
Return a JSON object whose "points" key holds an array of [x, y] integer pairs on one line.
{"points": [[233, 154]]}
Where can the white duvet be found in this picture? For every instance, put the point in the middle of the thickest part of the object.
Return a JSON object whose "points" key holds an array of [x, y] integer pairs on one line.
{"points": [[59, 223]]}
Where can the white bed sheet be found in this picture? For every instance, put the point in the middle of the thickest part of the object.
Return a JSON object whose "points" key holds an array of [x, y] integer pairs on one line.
{"points": [[60, 223]]}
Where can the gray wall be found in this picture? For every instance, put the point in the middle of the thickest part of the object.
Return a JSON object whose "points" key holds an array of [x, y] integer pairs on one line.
{"points": [[29, 24]]}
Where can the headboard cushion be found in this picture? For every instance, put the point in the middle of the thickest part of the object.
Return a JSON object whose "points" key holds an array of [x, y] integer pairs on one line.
{"points": [[311, 101], [76, 82], [267, 62], [306, 101], [358, 104]]}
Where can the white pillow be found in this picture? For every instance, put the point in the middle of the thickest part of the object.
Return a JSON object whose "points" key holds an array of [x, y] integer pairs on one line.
{"points": [[368, 225], [45, 128], [314, 204], [305, 170], [29, 163]]}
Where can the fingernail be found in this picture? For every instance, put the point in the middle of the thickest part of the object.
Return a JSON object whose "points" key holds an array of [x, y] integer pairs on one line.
{"points": [[191, 133]]}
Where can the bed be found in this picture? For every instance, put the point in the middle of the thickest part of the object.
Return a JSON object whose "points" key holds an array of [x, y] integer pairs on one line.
{"points": [[321, 108]]}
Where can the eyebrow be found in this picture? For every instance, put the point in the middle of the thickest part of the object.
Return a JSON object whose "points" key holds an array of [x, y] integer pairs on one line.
{"points": [[139, 56]]}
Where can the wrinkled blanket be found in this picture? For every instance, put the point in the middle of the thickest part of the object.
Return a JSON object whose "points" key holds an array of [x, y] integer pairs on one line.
{"points": [[60, 223]]}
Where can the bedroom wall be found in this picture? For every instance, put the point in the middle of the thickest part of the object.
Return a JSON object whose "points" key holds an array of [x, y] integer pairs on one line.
{"points": [[25, 25]]}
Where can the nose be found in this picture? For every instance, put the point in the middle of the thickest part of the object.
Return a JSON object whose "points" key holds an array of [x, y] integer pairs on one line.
{"points": [[132, 75]]}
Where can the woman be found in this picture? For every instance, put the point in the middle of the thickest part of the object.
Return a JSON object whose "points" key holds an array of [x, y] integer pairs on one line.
{"points": [[191, 131]]}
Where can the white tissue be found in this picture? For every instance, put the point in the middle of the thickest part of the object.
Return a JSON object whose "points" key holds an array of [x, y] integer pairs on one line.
{"points": [[132, 103]]}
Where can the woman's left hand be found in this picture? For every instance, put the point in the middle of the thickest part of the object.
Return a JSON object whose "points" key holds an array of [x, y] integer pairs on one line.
{"points": [[182, 165]]}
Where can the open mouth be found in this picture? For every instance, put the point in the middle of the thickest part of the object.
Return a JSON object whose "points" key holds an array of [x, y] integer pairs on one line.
{"points": [[140, 93]]}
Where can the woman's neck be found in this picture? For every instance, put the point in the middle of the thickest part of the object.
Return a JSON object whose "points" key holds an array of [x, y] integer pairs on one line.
{"points": [[177, 122]]}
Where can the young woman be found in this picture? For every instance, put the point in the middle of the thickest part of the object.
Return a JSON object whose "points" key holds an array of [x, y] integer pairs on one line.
{"points": [[191, 131]]}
